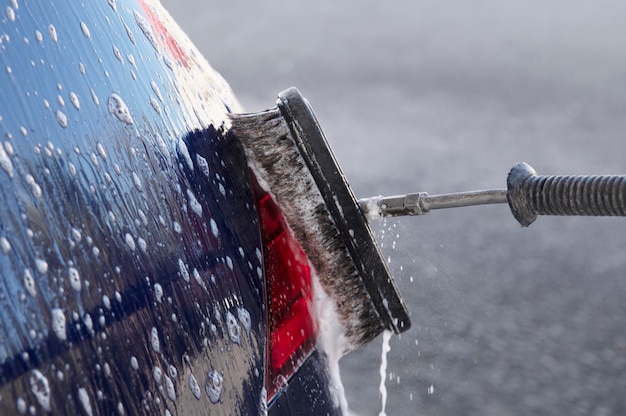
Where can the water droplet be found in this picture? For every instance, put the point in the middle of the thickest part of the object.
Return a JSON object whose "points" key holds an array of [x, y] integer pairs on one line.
{"points": [[213, 387], [101, 151], [130, 35], [155, 105], [169, 387], [134, 363], [196, 207], [106, 301], [184, 151], [61, 118], [58, 324], [41, 265], [5, 245], [48, 150], [21, 406], [203, 164], [194, 387], [5, 162], [10, 14], [88, 322], [72, 168], [214, 229], [162, 146], [154, 340], [74, 100], [83, 396], [40, 387], [112, 4], [216, 313], [34, 186], [130, 241], [234, 332], [131, 60], [85, 29], [38, 36], [94, 97], [76, 234], [52, 31], [158, 292], [137, 182], [184, 272], [142, 245], [118, 54], [81, 68], [145, 27], [142, 216], [157, 374], [107, 369], [118, 108], [244, 317], [74, 279], [196, 275], [168, 62], [29, 283]]}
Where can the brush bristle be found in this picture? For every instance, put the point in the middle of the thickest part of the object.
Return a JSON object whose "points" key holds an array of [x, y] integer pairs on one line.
{"points": [[274, 157]]}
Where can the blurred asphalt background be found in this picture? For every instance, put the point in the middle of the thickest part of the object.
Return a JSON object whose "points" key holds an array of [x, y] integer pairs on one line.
{"points": [[419, 95]]}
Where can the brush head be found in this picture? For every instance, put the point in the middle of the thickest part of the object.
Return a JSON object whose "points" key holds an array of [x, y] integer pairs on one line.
{"points": [[289, 153]]}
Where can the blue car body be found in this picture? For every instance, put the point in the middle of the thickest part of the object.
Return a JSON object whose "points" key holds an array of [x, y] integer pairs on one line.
{"points": [[131, 256]]}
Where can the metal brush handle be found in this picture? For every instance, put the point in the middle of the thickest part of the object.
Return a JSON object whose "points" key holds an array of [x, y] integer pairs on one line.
{"points": [[527, 194], [530, 195]]}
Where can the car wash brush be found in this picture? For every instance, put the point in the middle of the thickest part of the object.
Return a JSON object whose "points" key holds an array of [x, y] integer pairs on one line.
{"points": [[292, 159]]}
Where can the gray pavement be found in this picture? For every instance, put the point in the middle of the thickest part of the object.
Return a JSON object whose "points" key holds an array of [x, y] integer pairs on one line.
{"points": [[441, 97]]}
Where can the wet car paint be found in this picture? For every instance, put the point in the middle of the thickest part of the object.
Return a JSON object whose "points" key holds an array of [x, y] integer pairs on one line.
{"points": [[131, 280]]}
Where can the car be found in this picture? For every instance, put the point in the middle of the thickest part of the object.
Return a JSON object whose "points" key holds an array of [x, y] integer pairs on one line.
{"points": [[141, 261]]}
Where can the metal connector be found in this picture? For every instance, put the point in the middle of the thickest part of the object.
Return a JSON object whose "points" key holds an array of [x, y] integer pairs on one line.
{"points": [[398, 205], [421, 203]]}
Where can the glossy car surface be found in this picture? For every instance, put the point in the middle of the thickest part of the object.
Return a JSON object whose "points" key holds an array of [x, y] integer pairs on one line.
{"points": [[132, 259]]}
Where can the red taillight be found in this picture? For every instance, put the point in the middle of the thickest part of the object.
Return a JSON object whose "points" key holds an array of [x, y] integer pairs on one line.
{"points": [[291, 328]]}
